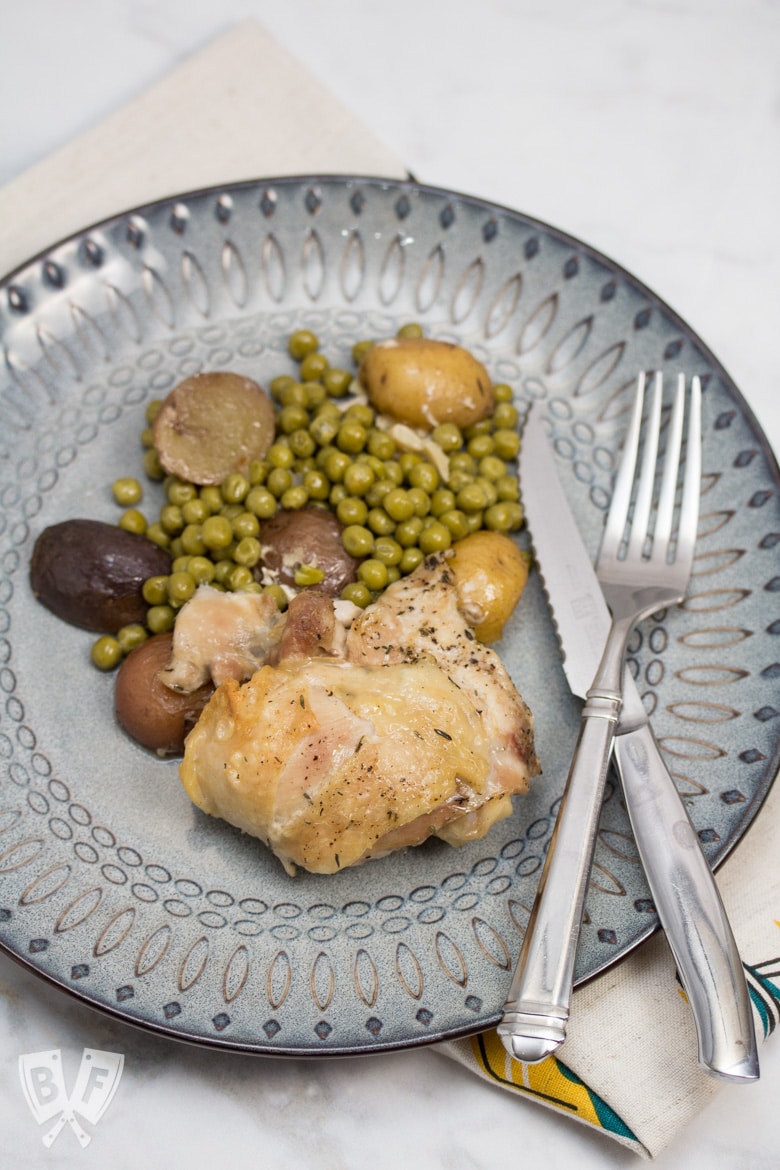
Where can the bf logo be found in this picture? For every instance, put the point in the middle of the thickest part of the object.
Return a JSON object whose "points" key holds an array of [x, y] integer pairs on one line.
{"points": [[43, 1082]]}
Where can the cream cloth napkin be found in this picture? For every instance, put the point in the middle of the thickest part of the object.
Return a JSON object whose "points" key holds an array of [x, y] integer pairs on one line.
{"points": [[243, 108]]}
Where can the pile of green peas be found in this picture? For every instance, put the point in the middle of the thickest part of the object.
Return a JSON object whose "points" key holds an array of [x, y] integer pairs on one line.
{"points": [[395, 505]]}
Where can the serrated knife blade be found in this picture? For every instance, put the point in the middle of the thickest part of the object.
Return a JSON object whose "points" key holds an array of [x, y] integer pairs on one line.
{"points": [[680, 879]]}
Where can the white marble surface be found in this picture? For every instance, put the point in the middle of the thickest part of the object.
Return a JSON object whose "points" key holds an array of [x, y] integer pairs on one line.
{"points": [[649, 128]]}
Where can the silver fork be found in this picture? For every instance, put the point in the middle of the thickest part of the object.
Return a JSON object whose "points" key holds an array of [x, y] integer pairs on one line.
{"points": [[644, 565]]}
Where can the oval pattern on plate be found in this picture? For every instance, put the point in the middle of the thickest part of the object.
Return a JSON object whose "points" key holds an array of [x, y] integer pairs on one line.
{"points": [[173, 900]]}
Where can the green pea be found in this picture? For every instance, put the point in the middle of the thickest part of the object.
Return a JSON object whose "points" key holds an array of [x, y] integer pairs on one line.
{"points": [[358, 478], [106, 653], [127, 491], [471, 498], [179, 492], [351, 437], [155, 590], [411, 329], [301, 343], [180, 564], [157, 534], [171, 519], [194, 511], [373, 574], [280, 455], [463, 462], [442, 500], [358, 593], [508, 487], [457, 523], [435, 538], [380, 444], [152, 410], [313, 367], [398, 504], [302, 444], [480, 446], [247, 552], [387, 550], [498, 517], [245, 524], [147, 437], [133, 521], [160, 619], [316, 394], [351, 510], [257, 472], [306, 575], [337, 493], [502, 392], [261, 502], [211, 497], [357, 540], [492, 468], [180, 588], [323, 430], [424, 475], [448, 436], [410, 560], [201, 569], [379, 522], [360, 412], [506, 443], [279, 481], [234, 488], [131, 636], [216, 532], [317, 485], [293, 393], [391, 469], [292, 418], [278, 594], [295, 498], [377, 492], [505, 416], [336, 382], [336, 465], [360, 349], [279, 385], [489, 490], [239, 578], [151, 465]]}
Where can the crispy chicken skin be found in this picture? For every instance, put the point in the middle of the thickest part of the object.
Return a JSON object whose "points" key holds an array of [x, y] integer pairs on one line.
{"points": [[366, 732]]}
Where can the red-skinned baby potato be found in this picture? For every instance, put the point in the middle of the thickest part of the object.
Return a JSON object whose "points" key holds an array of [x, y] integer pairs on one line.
{"points": [[90, 573], [152, 714], [310, 537]]}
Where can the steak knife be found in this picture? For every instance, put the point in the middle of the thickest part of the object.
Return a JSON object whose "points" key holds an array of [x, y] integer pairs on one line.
{"points": [[681, 882]]}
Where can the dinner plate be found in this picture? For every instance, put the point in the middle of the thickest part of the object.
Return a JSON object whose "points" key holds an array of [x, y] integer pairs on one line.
{"points": [[113, 886]]}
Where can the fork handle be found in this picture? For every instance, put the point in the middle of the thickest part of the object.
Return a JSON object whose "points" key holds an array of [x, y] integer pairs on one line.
{"points": [[536, 1011], [690, 910]]}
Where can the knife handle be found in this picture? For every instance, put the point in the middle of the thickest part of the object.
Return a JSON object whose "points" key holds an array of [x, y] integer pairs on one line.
{"points": [[690, 909], [536, 1011]]}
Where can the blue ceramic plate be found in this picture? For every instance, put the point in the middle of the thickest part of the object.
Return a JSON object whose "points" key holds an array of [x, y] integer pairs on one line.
{"points": [[112, 885]]}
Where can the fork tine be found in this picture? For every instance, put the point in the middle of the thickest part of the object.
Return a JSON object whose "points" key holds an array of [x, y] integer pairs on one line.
{"points": [[689, 510], [665, 515], [640, 524], [617, 517]]}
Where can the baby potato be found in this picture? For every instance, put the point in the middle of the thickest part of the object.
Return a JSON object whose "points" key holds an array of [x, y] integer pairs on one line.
{"points": [[213, 424], [150, 712], [423, 383], [490, 575]]}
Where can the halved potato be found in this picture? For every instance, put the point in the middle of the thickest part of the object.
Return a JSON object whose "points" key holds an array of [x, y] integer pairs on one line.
{"points": [[211, 425]]}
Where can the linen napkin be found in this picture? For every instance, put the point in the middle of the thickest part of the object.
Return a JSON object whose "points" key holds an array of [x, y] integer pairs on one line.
{"points": [[628, 1067]]}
